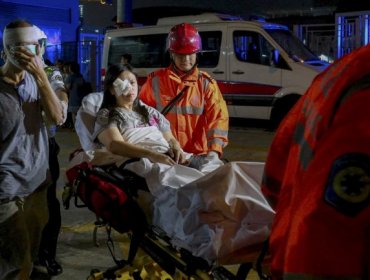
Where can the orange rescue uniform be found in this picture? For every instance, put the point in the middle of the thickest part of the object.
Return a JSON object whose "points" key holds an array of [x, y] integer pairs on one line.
{"points": [[317, 176], [200, 120]]}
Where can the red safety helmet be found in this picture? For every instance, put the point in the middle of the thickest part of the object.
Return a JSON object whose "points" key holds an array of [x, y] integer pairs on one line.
{"points": [[184, 39]]}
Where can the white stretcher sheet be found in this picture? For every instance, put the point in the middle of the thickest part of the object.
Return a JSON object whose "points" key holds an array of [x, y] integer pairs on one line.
{"points": [[211, 213]]}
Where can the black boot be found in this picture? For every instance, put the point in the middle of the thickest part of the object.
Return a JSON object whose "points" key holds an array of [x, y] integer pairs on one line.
{"points": [[52, 266]]}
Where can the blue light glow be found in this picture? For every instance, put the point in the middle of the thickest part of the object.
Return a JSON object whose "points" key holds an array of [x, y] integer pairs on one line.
{"points": [[339, 37], [366, 29]]}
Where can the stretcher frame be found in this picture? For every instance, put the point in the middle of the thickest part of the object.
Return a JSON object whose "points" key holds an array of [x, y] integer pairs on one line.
{"points": [[156, 244]]}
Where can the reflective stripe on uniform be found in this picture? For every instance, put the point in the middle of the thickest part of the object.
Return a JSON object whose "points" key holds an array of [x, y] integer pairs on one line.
{"points": [[205, 84], [191, 110], [156, 91], [306, 152], [218, 132], [216, 141]]}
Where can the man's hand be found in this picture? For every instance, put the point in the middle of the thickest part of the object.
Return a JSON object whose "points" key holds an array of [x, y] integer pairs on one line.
{"points": [[27, 60]]}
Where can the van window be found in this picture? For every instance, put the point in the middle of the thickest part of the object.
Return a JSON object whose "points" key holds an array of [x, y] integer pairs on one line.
{"points": [[292, 45], [252, 47], [211, 44], [148, 51]]}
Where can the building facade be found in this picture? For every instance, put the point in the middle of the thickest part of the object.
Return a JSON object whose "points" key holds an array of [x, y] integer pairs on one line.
{"points": [[58, 19]]}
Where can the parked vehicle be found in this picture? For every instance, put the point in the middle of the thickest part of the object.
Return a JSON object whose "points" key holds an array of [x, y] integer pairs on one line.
{"points": [[261, 68]]}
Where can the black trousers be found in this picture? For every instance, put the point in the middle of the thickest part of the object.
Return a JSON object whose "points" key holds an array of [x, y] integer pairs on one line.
{"points": [[51, 231]]}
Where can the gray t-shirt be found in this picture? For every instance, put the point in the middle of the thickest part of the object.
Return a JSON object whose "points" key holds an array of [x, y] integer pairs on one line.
{"points": [[23, 139], [123, 119]]}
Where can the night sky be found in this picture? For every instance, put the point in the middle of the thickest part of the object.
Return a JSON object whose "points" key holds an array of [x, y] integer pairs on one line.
{"points": [[236, 7], [147, 11]]}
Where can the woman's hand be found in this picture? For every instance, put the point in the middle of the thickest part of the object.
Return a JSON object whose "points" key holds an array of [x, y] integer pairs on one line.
{"points": [[161, 158], [177, 154], [175, 150]]}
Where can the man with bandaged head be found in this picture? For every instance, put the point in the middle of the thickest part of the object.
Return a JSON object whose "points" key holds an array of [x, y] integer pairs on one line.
{"points": [[25, 95]]}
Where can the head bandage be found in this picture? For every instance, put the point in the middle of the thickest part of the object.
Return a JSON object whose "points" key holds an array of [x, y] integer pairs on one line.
{"points": [[18, 35], [122, 87], [40, 34], [13, 36]]}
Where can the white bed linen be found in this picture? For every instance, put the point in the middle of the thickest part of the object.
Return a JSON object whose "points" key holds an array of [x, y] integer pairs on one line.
{"points": [[211, 213]]}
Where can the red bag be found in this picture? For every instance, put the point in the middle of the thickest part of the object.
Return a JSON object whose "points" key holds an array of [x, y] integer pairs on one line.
{"points": [[106, 196]]}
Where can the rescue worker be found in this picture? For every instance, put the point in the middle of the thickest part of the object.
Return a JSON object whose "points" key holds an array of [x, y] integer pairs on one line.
{"points": [[317, 177], [199, 119]]}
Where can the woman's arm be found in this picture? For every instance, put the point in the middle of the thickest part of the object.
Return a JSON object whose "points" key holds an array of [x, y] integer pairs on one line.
{"points": [[164, 126], [112, 139]]}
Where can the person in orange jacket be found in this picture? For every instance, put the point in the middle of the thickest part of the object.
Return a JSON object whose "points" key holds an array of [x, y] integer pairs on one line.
{"points": [[199, 120], [317, 177]]}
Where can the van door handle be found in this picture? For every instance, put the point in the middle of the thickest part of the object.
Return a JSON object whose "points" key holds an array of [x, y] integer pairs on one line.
{"points": [[238, 72], [218, 72]]}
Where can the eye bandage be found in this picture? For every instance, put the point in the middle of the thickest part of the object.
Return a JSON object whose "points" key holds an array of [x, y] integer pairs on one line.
{"points": [[31, 48], [122, 87]]}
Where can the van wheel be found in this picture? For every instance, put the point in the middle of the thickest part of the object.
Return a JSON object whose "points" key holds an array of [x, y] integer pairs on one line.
{"points": [[281, 107]]}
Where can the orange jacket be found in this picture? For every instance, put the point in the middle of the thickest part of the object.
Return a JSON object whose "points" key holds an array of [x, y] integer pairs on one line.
{"points": [[317, 176], [200, 120]]}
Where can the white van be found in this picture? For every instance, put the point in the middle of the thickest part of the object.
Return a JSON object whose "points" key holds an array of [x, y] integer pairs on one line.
{"points": [[261, 68]]}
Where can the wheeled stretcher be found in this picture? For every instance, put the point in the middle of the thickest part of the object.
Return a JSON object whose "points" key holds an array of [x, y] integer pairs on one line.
{"points": [[114, 195], [175, 261]]}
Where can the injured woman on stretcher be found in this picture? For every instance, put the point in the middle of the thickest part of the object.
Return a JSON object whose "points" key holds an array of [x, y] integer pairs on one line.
{"points": [[211, 211]]}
